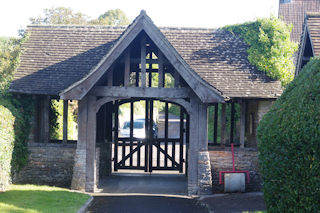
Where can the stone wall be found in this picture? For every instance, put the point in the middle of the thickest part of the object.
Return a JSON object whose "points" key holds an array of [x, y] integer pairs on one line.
{"points": [[245, 159], [50, 164], [255, 111]]}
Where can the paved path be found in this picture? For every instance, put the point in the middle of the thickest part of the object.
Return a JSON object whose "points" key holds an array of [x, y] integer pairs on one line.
{"points": [[236, 202], [145, 204]]}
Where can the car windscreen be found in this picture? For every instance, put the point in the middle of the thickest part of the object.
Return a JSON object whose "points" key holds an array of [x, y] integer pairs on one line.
{"points": [[136, 125]]}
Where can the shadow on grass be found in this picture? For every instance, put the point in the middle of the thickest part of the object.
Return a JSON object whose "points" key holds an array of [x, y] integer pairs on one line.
{"points": [[41, 201]]}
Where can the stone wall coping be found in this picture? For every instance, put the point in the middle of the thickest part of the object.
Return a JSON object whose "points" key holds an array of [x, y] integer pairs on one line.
{"points": [[52, 145], [219, 148]]}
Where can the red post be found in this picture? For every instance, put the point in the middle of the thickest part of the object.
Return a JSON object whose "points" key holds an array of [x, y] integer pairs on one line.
{"points": [[233, 169]]}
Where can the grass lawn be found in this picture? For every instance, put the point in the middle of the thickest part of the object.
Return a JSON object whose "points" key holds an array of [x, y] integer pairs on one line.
{"points": [[34, 199]]}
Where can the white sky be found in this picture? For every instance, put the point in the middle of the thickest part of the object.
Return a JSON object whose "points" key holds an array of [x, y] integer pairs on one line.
{"points": [[15, 14]]}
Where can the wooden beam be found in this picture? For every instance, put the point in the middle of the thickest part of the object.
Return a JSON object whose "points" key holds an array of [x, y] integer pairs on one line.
{"points": [[110, 77], [152, 92], [65, 122], [82, 123], [127, 68], [160, 74], [243, 109], [45, 123], [223, 125], [80, 89], [143, 61], [91, 146], [176, 79], [215, 123], [204, 91]]}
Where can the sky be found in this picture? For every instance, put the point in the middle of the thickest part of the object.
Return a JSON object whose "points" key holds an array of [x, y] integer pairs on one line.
{"points": [[15, 14]]}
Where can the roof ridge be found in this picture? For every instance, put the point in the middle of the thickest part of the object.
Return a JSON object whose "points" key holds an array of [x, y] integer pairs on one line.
{"points": [[74, 26], [187, 28]]}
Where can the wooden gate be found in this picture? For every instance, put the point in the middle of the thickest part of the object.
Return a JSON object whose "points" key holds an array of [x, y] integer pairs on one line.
{"points": [[150, 151]]}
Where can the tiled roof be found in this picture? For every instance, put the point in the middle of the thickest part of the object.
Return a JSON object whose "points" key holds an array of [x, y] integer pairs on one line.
{"points": [[293, 13], [313, 23], [57, 56]]}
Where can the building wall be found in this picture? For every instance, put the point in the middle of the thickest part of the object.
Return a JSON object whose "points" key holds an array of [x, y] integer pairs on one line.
{"points": [[255, 111], [245, 159], [50, 164]]}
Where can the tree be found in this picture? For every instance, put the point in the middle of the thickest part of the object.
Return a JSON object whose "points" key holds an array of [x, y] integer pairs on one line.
{"points": [[9, 57], [63, 15], [60, 15], [112, 17], [289, 147]]}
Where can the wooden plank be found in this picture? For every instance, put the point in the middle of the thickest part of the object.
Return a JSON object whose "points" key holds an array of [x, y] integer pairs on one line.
{"points": [[243, 109], [203, 127], [146, 147], [176, 79], [143, 61], [187, 142], [79, 90], [166, 124], [127, 68], [46, 121], [91, 146], [151, 136], [181, 139], [161, 73], [116, 138], [82, 123], [204, 91], [215, 123], [131, 129], [223, 125], [232, 123], [65, 122], [110, 77], [152, 92]]}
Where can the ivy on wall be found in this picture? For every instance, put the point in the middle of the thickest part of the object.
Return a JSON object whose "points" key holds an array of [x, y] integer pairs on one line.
{"points": [[17, 112], [270, 48]]}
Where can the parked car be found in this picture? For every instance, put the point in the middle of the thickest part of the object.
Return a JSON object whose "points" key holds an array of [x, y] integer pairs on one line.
{"points": [[138, 129]]}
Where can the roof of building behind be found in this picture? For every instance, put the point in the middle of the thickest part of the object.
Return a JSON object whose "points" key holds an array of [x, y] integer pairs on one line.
{"points": [[293, 12], [313, 23], [56, 56]]}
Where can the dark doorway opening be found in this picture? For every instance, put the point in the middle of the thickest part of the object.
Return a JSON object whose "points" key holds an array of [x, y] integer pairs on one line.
{"points": [[156, 141]]}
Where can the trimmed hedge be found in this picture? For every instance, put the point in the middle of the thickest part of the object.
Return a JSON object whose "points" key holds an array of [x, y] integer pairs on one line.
{"points": [[289, 145], [6, 146]]}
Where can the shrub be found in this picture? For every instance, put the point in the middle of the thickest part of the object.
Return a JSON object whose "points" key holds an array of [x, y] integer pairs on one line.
{"points": [[289, 146], [270, 48], [6, 146]]}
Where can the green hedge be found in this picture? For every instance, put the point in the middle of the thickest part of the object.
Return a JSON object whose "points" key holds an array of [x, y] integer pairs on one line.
{"points": [[289, 146], [6, 146]]}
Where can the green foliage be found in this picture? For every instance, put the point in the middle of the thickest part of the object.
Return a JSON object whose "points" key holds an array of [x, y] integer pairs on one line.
{"points": [[64, 15], [6, 146], [22, 108], [270, 47], [289, 148], [112, 17], [56, 121], [60, 15], [9, 57]]}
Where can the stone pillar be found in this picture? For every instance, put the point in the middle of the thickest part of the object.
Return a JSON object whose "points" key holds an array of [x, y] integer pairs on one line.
{"points": [[79, 168], [199, 168], [193, 148], [204, 167]]}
